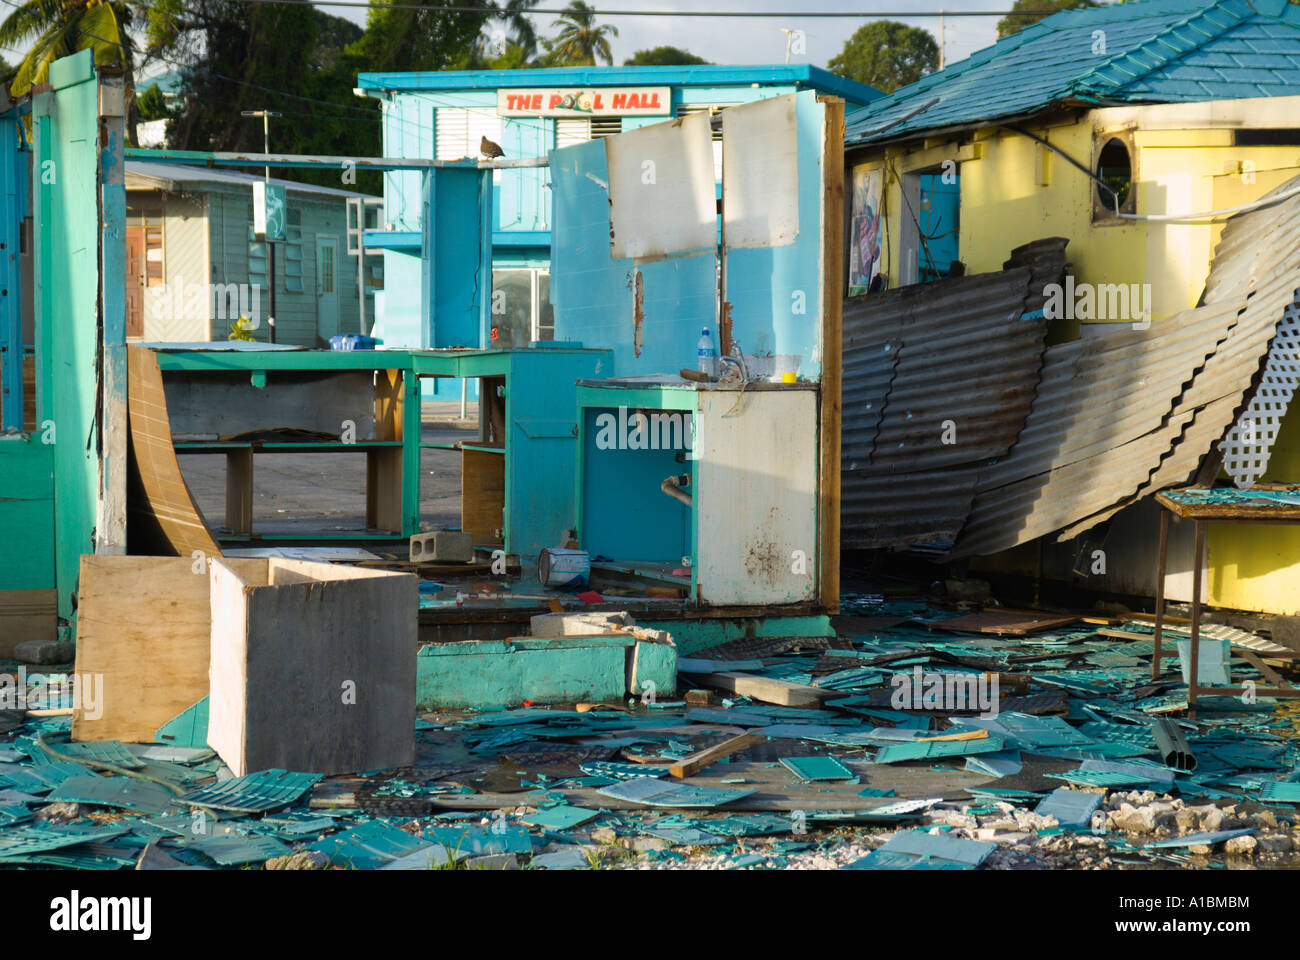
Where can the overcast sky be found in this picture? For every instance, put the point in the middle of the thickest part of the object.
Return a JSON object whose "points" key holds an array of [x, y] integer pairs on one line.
{"points": [[760, 40]]}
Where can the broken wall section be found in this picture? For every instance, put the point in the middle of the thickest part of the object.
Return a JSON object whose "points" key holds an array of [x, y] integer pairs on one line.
{"points": [[638, 242]]}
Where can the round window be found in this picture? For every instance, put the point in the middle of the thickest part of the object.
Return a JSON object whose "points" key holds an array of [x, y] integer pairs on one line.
{"points": [[1115, 170]]}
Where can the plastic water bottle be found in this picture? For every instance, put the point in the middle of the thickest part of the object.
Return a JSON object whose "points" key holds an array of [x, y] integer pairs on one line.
{"points": [[708, 355]]}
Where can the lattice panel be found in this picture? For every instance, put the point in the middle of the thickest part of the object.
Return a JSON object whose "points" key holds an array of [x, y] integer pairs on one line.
{"points": [[1248, 445]]}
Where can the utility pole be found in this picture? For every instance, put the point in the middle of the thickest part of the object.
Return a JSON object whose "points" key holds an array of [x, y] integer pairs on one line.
{"points": [[942, 39], [266, 116]]}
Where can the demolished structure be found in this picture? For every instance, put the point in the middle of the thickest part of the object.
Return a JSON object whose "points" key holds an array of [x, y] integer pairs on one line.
{"points": [[1153, 141]]}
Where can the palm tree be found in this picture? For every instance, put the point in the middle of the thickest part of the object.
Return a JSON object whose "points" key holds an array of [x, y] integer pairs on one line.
{"points": [[58, 28], [580, 42]]}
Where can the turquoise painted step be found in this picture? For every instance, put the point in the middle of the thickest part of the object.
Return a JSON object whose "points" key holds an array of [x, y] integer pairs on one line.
{"points": [[478, 674]]}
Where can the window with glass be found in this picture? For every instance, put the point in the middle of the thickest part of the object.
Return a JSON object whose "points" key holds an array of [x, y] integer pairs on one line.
{"points": [[521, 307]]}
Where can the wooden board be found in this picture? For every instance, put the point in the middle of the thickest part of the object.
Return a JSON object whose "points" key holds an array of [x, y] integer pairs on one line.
{"points": [[779, 692], [482, 494], [26, 615], [1003, 621], [313, 667], [162, 515], [143, 625], [690, 766], [29, 393]]}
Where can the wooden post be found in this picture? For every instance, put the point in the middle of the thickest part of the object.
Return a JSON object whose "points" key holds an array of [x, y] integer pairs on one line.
{"points": [[832, 295], [1195, 678], [1161, 561]]}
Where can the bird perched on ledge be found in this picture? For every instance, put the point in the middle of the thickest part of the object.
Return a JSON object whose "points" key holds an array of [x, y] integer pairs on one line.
{"points": [[490, 150]]}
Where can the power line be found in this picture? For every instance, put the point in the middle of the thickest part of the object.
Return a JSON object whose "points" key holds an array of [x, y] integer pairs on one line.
{"points": [[702, 14]]}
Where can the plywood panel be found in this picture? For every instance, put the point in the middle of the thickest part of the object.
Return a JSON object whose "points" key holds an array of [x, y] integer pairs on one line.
{"points": [[314, 670], [482, 494], [163, 517], [756, 498], [389, 410], [384, 489], [143, 625]]}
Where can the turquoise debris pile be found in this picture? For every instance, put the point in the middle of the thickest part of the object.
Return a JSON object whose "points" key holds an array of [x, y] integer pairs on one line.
{"points": [[1077, 757]]}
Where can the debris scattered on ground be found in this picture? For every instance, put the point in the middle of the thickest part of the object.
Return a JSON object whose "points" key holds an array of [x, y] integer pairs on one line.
{"points": [[1082, 761]]}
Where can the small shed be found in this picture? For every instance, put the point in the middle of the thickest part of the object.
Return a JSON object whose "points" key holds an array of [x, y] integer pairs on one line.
{"points": [[193, 266]]}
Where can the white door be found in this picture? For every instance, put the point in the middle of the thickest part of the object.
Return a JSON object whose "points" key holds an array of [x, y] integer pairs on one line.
{"points": [[327, 297]]}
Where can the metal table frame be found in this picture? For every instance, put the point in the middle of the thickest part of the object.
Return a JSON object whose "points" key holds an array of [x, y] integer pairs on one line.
{"points": [[1202, 515]]}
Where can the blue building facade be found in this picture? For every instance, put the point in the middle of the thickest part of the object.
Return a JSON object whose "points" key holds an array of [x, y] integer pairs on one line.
{"points": [[444, 115]]}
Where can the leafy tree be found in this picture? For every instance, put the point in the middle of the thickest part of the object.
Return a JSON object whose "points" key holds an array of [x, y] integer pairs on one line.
{"points": [[662, 57], [152, 103], [1042, 8], [515, 57], [580, 41], [59, 28], [291, 59], [887, 55], [398, 39]]}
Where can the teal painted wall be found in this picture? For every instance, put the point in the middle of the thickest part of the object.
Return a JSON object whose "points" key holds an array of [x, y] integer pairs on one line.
{"points": [[541, 406], [26, 513], [66, 181], [399, 312], [456, 256]]}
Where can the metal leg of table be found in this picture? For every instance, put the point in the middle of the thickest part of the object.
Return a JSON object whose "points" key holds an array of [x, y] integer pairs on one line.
{"points": [[1161, 558], [1198, 552]]}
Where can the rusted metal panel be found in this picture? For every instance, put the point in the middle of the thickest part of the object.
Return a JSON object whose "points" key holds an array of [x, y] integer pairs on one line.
{"points": [[937, 379], [925, 508]]}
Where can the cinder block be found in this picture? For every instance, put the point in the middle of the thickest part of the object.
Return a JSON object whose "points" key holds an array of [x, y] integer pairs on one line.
{"points": [[43, 652], [312, 667], [578, 624], [442, 546]]}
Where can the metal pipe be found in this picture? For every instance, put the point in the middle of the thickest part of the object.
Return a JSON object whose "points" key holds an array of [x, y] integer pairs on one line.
{"points": [[673, 488]]}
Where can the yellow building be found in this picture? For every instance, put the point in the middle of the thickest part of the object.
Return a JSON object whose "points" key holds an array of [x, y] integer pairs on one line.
{"points": [[1132, 131]]}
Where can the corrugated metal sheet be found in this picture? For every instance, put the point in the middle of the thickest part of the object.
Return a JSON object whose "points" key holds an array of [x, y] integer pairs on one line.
{"points": [[1133, 412], [965, 350], [1265, 277], [1048, 441]]}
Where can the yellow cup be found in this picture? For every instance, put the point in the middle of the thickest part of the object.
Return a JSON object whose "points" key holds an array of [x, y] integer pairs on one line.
{"points": [[787, 377]]}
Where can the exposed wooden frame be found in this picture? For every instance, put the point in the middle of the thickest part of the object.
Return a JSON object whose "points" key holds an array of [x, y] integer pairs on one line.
{"points": [[832, 295]]}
